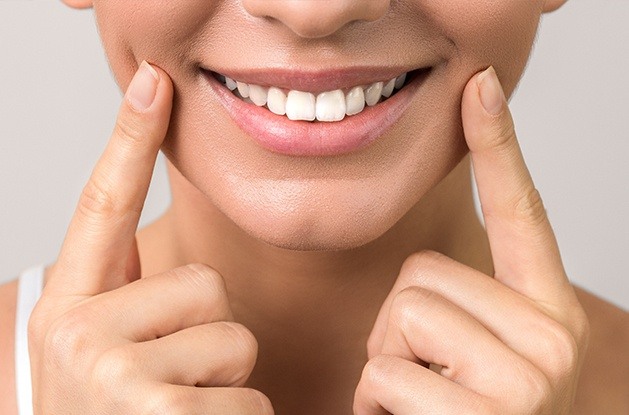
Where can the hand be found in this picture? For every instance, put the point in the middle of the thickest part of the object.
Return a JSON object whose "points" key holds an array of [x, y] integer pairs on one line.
{"points": [[104, 341], [512, 344]]}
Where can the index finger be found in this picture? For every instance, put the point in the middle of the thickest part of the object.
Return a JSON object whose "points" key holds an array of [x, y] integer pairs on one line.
{"points": [[101, 234], [523, 245]]}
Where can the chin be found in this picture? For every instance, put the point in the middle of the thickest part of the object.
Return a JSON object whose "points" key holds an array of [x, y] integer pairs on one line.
{"points": [[298, 241], [315, 234], [303, 222]]}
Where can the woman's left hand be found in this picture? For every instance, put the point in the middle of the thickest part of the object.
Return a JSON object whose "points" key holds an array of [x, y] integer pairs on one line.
{"points": [[512, 344]]}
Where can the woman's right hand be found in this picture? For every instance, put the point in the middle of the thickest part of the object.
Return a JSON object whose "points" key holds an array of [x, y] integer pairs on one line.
{"points": [[104, 341]]}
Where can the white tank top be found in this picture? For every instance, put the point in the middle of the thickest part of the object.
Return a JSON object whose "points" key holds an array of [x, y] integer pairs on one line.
{"points": [[29, 290]]}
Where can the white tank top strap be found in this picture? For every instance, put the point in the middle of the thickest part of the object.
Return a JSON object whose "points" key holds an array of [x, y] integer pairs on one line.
{"points": [[30, 285]]}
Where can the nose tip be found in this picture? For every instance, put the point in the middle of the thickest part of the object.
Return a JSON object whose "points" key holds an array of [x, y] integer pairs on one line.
{"points": [[317, 18]]}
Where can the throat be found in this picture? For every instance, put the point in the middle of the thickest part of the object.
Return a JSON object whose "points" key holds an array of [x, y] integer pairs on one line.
{"points": [[310, 371]]}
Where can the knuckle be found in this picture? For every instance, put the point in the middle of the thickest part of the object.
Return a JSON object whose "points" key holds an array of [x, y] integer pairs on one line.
{"points": [[68, 340], [422, 259], [207, 285], [408, 304], [532, 392], [113, 369], [243, 337], [245, 346], [374, 344], [471, 403], [98, 199], [419, 265], [529, 207], [502, 137], [562, 352], [37, 326], [536, 393], [581, 328], [376, 373], [205, 277], [488, 406], [167, 401], [257, 401], [128, 130]]}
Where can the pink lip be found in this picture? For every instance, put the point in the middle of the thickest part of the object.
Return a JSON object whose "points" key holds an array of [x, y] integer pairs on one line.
{"points": [[315, 81], [301, 138]]}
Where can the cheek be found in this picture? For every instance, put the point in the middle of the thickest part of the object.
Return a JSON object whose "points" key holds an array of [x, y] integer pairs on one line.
{"points": [[488, 32], [160, 31]]}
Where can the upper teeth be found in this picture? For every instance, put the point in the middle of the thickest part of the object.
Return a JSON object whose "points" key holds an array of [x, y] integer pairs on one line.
{"points": [[326, 106]]}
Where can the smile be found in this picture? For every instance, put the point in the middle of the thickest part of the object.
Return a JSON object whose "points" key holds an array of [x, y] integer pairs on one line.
{"points": [[327, 106], [301, 113]]}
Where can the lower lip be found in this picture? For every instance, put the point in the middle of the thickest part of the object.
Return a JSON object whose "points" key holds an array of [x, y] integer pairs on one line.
{"points": [[278, 134]]}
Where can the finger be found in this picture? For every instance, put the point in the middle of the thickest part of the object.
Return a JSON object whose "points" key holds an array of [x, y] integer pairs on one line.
{"points": [[163, 304], [215, 354], [523, 245], [390, 384], [94, 254], [424, 325], [545, 337], [189, 400], [133, 270]]}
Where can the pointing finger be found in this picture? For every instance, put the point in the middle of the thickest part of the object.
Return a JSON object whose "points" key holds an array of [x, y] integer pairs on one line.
{"points": [[95, 254], [523, 245]]}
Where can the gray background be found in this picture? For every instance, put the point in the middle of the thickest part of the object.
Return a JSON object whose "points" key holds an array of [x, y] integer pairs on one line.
{"points": [[58, 103]]}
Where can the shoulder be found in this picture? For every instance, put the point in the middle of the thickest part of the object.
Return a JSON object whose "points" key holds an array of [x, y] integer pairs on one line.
{"points": [[8, 298], [604, 380]]}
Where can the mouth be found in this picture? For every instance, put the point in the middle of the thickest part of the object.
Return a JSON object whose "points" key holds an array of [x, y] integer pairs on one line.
{"points": [[324, 114], [326, 106]]}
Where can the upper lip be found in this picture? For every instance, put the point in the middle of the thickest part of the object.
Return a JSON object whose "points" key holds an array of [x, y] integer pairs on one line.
{"points": [[314, 80]]}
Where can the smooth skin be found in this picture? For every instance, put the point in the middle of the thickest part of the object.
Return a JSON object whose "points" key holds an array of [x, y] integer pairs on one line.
{"points": [[511, 344], [126, 336], [104, 340]]}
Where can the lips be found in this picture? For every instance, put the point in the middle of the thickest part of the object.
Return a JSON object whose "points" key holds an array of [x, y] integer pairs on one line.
{"points": [[278, 134]]}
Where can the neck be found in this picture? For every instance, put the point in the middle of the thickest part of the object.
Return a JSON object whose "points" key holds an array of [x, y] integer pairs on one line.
{"points": [[311, 311]]}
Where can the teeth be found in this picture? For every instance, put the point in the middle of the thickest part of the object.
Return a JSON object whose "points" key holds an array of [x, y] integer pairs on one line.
{"points": [[331, 106], [399, 81], [300, 106], [230, 83], [276, 101], [243, 89], [355, 101], [258, 94], [327, 106], [373, 94], [387, 90]]}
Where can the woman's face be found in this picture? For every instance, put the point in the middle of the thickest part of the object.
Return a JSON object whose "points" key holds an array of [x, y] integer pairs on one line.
{"points": [[327, 201]]}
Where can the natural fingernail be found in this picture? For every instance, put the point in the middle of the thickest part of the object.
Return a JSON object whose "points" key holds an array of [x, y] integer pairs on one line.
{"points": [[491, 94], [143, 88]]}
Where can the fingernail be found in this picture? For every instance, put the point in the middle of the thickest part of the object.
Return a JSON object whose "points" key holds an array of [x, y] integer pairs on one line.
{"points": [[491, 94], [143, 88]]}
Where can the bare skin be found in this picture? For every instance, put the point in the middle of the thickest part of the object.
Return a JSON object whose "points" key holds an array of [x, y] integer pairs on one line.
{"points": [[353, 324], [602, 386], [312, 332]]}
